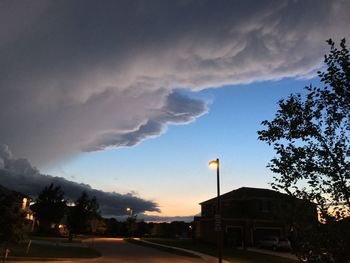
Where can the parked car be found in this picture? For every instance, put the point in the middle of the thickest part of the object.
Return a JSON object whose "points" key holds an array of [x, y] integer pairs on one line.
{"points": [[275, 243]]}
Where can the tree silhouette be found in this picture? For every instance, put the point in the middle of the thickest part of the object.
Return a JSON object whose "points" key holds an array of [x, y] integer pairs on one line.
{"points": [[11, 219], [311, 137], [81, 214], [49, 208]]}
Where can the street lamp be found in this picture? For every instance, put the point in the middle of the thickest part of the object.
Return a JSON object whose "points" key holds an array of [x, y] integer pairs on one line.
{"points": [[129, 209], [216, 165]]}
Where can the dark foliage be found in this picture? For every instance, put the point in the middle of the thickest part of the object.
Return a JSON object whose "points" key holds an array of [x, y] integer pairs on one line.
{"points": [[49, 208], [12, 218], [311, 137], [81, 215]]}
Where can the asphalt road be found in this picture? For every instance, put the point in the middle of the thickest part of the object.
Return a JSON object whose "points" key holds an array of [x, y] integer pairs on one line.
{"points": [[117, 250]]}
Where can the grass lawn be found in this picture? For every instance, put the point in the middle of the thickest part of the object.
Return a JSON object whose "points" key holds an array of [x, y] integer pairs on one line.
{"points": [[228, 254], [52, 251]]}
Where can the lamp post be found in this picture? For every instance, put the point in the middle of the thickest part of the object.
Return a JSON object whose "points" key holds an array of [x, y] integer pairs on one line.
{"points": [[130, 221], [129, 209], [216, 164]]}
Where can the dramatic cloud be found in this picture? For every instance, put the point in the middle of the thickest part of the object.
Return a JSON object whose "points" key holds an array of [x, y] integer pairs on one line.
{"points": [[19, 175], [177, 109], [87, 75]]}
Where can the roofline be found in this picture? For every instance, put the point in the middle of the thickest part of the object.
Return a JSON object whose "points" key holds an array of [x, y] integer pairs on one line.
{"points": [[254, 188], [13, 192]]}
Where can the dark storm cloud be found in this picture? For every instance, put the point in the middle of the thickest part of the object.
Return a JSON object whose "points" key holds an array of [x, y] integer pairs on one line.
{"points": [[177, 109], [77, 75], [19, 175]]}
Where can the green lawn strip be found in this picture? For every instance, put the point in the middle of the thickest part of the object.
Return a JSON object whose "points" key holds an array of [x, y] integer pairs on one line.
{"points": [[52, 251], [228, 254], [165, 249]]}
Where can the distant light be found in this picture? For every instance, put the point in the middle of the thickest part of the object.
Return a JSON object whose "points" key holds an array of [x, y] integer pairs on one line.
{"points": [[213, 164], [24, 203], [129, 209]]}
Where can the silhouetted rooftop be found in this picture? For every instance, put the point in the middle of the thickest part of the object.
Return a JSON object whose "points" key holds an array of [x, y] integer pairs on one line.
{"points": [[248, 192], [9, 192]]}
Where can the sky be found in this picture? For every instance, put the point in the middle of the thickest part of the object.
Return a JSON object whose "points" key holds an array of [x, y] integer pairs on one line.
{"points": [[130, 100]]}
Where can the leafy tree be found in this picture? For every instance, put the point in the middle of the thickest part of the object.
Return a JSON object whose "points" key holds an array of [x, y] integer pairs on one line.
{"points": [[173, 229], [81, 214], [132, 225], [311, 136], [49, 208], [142, 229], [113, 227], [11, 219]]}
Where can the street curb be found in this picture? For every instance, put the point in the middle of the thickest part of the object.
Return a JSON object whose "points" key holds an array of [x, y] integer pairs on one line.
{"points": [[59, 244], [272, 253], [201, 255], [24, 259]]}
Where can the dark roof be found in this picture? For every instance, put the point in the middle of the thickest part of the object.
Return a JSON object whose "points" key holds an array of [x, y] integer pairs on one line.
{"points": [[4, 190], [7, 192], [248, 192]]}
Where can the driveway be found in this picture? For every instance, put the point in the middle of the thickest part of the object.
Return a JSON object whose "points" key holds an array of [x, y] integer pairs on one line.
{"points": [[117, 250]]}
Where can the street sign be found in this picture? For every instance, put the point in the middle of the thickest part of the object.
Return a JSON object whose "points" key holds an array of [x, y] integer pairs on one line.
{"points": [[217, 223]]}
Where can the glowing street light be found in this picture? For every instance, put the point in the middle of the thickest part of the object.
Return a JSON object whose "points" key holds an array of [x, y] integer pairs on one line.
{"points": [[129, 209], [216, 165]]}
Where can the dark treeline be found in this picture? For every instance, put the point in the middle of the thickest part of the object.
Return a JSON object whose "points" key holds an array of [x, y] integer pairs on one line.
{"points": [[131, 227], [55, 216]]}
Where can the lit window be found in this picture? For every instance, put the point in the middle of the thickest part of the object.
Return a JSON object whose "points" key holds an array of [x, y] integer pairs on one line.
{"points": [[24, 203]]}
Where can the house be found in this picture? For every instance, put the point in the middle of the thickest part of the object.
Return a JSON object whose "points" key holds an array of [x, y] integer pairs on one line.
{"points": [[22, 201], [250, 214]]}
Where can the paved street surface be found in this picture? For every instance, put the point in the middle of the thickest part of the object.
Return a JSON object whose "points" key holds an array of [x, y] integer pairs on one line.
{"points": [[274, 253], [117, 250]]}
